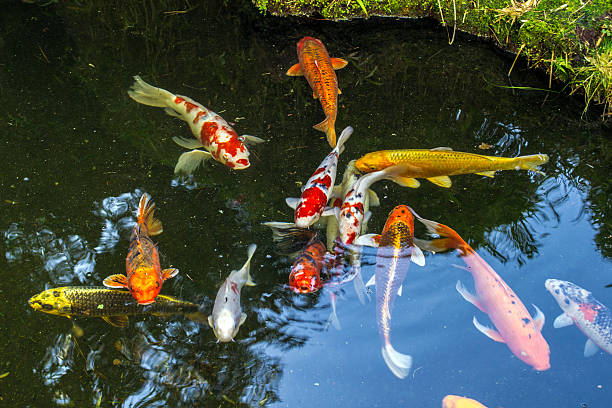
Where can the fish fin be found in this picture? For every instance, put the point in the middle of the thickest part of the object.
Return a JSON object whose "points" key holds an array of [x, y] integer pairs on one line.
{"points": [[251, 140], [149, 95], [371, 281], [398, 363], [435, 245], [441, 149], [328, 212], [469, 296], [366, 218], [247, 264], [292, 202], [288, 237], [562, 320], [417, 256], [487, 173], [339, 91], [400, 291], [360, 288], [188, 162], [333, 317], [539, 318], [169, 273], [374, 200], [489, 332], [322, 126], [442, 181], [145, 217], [314, 94], [295, 70], [590, 348], [368, 240], [463, 268], [172, 112], [211, 322], [243, 317], [344, 136], [338, 63], [187, 143], [117, 321], [532, 162], [406, 181], [116, 281]]}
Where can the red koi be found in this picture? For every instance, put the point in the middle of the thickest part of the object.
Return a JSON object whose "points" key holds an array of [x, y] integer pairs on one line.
{"points": [[144, 274], [318, 68]]}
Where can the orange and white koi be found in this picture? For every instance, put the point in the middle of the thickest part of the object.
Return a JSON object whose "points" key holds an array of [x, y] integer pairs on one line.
{"points": [[318, 68], [455, 401], [396, 250], [212, 132], [144, 274], [581, 308], [310, 206], [514, 325]]}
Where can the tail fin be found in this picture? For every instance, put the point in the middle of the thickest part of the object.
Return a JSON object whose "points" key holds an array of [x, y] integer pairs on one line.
{"points": [[149, 95], [398, 363], [247, 264], [346, 133], [451, 238], [532, 162], [146, 221], [288, 237], [435, 245], [330, 131]]}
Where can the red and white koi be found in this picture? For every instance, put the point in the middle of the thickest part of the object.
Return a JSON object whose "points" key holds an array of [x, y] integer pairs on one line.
{"points": [[310, 206], [212, 132], [579, 307]]}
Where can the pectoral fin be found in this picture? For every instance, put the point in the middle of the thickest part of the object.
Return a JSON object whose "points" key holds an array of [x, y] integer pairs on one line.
{"points": [[338, 63], [590, 348], [406, 181], [251, 140], [442, 181], [539, 318], [187, 143], [243, 317], [489, 332], [468, 296], [117, 321], [116, 281], [292, 202], [329, 211], [417, 256], [169, 273], [371, 281], [295, 70], [487, 173], [368, 240], [374, 200], [211, 322], [562, 320], [188, 162]]}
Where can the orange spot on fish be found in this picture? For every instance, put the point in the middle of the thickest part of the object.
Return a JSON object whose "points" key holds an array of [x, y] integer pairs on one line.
{"points": [[588, 311]]}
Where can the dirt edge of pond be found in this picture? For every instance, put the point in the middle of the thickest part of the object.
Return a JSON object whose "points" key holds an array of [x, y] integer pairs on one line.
{"points": [[568, 40]]}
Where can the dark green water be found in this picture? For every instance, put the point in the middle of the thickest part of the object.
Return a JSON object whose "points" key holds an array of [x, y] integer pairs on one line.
{"points": [[77, 154]]}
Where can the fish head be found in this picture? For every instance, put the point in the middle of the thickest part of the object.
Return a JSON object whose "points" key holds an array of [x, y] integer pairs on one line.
{"points": [[224, 326], [349, 225], [455, 401], [307, 42], [401, 214], [144, 284], [567, 294], [373, 161], [231, 149], [52, 301]]}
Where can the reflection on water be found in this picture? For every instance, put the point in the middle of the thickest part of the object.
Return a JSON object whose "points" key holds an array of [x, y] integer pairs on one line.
{"points": [[117, 218]]}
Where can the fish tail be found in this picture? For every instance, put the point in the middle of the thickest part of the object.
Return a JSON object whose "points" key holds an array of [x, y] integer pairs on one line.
{"points": [[288, 237], [247, 264], [346, 133], [149, 95], [532, 162], [398, 363], [327, 127], [451, 239], [146, 221]]}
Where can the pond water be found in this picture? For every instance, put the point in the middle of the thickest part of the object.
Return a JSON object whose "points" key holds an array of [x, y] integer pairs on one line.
{"points": [[78, 153]]}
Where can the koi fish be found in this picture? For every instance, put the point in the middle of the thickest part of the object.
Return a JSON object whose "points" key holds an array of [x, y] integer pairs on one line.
{"points": [[212, 132], [311, 205], [455, 401], [396, 250], [318, 68], [144, 274], [580, 308], [514, 325], [436, 165], [112, 305], [354, 212], [227, 316]]}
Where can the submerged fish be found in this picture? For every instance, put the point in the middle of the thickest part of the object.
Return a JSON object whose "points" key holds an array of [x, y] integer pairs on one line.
{"points": [[144, 274], [310, 206], [212, 132], [436, 165], [112, 305], [580, 308], [396, 250], [514, 325], [455, 401], [227, 316], [318, 68]]}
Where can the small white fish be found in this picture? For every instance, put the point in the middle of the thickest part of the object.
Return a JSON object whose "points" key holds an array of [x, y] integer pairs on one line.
{"points": [[227, 316]]}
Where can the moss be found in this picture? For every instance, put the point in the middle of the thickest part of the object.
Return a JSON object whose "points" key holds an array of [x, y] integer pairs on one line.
{"points": [[570, 41]]}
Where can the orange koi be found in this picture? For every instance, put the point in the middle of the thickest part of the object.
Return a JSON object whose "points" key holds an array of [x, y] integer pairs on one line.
{"points": [[514, 325], [318, 68], [144, 274], [455, 401]]}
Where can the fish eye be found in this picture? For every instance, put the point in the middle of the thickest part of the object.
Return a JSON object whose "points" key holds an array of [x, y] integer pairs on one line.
{"points": [[372, 167]]}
